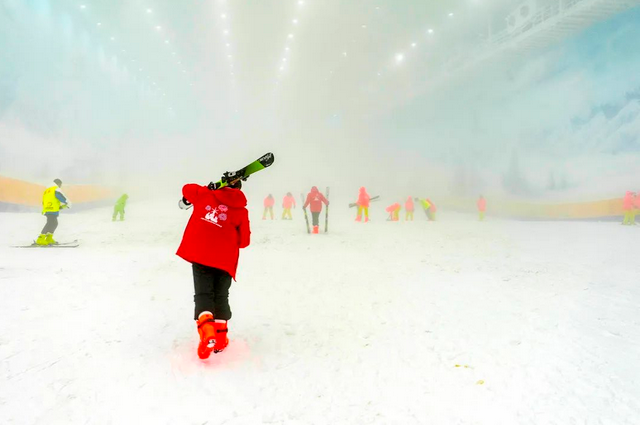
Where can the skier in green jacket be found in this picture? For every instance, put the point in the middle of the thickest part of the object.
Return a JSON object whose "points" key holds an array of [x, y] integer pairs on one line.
{"points": [[119, 207]]}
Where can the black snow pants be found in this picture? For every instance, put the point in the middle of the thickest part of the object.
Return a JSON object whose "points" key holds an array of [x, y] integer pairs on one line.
{"points": [[211, 291], [315, 218], [51, 226]]}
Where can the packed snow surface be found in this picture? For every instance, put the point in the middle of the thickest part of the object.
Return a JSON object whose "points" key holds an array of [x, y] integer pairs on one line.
{"points": [[447, 322]]}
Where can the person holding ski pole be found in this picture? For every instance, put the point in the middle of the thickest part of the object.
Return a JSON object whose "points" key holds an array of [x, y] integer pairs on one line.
{"points": [[269, 202], [287, 203], [315, 199], [409, 208], [53, 200], [217, 230], [118, 208], [363, 203]]}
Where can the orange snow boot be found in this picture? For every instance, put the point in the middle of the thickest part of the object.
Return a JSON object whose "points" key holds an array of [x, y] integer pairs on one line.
{"points": [[222, 340], [207, 332], [316, 230]]}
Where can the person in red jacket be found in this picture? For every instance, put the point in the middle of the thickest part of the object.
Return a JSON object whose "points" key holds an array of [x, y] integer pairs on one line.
{"points": [[482, 207], [627, 207], [315, 199], [363, 203], [269, 202], [409, 208], [394, 212], [287, 203], [217, 229]]}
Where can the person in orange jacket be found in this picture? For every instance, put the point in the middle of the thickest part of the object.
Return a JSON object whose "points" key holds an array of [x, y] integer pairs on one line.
{"points": [[315, 199], [269, 202], [394, 212], [287, 203], [363, 205], [627, 207], [482, 207], [409, 208]]}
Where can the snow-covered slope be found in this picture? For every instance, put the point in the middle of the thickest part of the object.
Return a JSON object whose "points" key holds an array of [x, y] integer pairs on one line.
{"points": [[452, 322]]}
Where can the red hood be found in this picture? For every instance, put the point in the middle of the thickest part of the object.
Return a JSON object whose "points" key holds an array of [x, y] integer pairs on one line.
{"points": [[231, 197], [314, 189]]}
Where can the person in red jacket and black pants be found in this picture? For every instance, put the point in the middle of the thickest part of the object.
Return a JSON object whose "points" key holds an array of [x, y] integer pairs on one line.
{"points": [[315, 199], [217, 229]]}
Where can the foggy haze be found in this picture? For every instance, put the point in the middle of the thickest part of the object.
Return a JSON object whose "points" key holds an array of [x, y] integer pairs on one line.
{"points": [[397, 96]]}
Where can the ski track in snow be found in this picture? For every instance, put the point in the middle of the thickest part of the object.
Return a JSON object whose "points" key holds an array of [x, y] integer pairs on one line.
{"points": [[364, 325]]}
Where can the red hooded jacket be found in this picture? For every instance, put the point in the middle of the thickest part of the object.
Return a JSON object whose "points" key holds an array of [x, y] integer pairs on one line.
{"points": [[269, 201], [482, 204], [315, 199], [217, 229], [288, 202], [364, 199], [408, 205], [627, 202]]}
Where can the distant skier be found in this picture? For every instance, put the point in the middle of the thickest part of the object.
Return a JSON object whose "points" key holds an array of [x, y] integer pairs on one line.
{"points": [[429, 208], [409, 208], [217, 229], [363, 205], [288, 202], [315, 199], [118, 208], [627, 207], [269, 202], [53, 200], [394, 212], [482, 207], [636, 204], [431, 213]]}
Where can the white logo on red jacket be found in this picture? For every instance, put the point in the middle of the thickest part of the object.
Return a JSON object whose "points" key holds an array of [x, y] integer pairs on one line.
{"points": [[215, 215]]}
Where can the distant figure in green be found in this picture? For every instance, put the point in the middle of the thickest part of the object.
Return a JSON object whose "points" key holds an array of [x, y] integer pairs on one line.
{"points": [[119, 207]]}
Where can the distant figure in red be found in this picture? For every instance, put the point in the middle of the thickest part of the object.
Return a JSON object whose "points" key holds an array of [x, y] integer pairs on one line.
{"points": [[482, 207], [431, 213], [409, 208], [394, 212], [315, 199], [627, 207], [287, 203], [269, 202], [363, 205]]}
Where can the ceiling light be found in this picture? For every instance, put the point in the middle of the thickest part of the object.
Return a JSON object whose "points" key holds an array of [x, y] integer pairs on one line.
{"points": [[290, 36], [451, 14], [344, 54], [364, 26], [287, 49], [99, 23], [399, 57], [149, 10], [158, 27], [113, 38], [166, 41], [430, 31], [413, 44], [300, 2], [295, 22], [82, 6], [226, 32]]}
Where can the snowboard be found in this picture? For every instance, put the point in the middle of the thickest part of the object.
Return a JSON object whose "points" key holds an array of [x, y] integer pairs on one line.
{"points": [[72, 244], [231, 177], [355, 204], [306, 217]]}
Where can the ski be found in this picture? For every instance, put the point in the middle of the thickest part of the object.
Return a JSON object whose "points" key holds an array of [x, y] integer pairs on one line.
{"points": [[355, 204], [306, 217], [72, 244], [326, 214], [231, 177]]}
